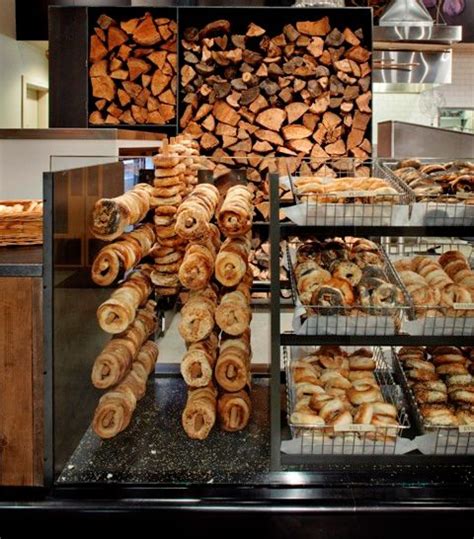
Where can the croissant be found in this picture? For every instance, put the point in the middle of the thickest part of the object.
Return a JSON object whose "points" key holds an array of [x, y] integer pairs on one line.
{"points": [[199, 415], [118, 312], [116, 407], [123, 254], [115, 360], [235, 215], [110, 216], [234, 411]]}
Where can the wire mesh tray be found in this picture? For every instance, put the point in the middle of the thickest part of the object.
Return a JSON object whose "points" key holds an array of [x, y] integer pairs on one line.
{"points": [[455, 440], [352, 319], [434, 320], [352, 206], [353, 439], [433, 210]]}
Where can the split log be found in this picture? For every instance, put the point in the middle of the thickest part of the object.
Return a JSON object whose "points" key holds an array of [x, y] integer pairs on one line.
{"points": [[130, 60]]}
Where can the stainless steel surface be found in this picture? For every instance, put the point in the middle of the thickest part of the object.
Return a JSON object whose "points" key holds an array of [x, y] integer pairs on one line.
{"points": [[402, 139], [438, 33], [319, 3], [411, 71], [406, 13]]}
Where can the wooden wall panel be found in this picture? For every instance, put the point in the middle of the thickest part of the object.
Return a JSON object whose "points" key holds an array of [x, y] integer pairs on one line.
{"points": [[21, 433]]}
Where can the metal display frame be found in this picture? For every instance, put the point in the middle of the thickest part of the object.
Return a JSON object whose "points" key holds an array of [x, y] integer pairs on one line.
{"points": [[312, 471]]}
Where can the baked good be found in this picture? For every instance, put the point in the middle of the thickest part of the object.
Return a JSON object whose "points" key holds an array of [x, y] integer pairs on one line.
{"points": [[118, 312], [195, 213], [199, 414], [234, 411], [122, 255], [235, 215], [115, 360], [197, 365], [197, 316], [110, 216], [232, 371], [232, 261], [115, 408]]}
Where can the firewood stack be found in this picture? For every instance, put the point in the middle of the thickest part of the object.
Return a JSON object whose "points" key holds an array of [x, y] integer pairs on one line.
{"points": [[133, 71], [304, 92]]}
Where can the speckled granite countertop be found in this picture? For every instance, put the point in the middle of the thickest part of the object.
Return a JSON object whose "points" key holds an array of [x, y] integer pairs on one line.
{"points": [[155, 449], [21, 261]]}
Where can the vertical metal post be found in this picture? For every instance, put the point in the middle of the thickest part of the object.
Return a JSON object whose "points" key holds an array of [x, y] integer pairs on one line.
{"points": [[48, 346], [275, 322]]}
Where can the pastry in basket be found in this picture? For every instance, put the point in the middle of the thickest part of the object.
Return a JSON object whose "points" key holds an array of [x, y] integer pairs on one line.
{"points": [[439, 287], [338, 274], [335, 388], [450, 183]]}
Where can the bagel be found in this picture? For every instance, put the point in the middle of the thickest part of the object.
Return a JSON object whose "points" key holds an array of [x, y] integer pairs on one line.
{"points": [[363, 393]]}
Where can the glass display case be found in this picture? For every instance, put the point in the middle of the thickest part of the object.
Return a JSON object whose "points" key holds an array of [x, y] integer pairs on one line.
{"points": [[275, 449]]}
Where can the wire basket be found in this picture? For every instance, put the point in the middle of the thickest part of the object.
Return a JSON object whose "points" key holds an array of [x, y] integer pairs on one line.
{"points": [[455, 440], [434, 320], [355, 319], [350, 207], [21, 222], [353, 439], [436, 210]]}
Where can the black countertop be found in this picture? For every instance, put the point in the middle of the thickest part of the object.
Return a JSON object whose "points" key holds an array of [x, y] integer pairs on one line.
{"points": [[21, 261]]}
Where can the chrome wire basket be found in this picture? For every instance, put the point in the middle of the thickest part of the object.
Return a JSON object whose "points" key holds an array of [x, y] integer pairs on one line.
{"points": [[434, 320], [350, 206], [455, 440], [355, 319], [353, 439], [437, 210]]}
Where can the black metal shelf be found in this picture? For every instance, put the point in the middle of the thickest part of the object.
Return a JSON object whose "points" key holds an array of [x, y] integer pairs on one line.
{"points": [[290, 229], [290, 339]]}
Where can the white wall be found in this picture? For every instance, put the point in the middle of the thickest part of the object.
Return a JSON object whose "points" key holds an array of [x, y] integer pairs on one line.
{"points": [[17, 58], [406, 108]]}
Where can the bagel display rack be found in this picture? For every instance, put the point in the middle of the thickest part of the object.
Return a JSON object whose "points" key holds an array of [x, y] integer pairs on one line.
{"points": [[282, 341]]}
